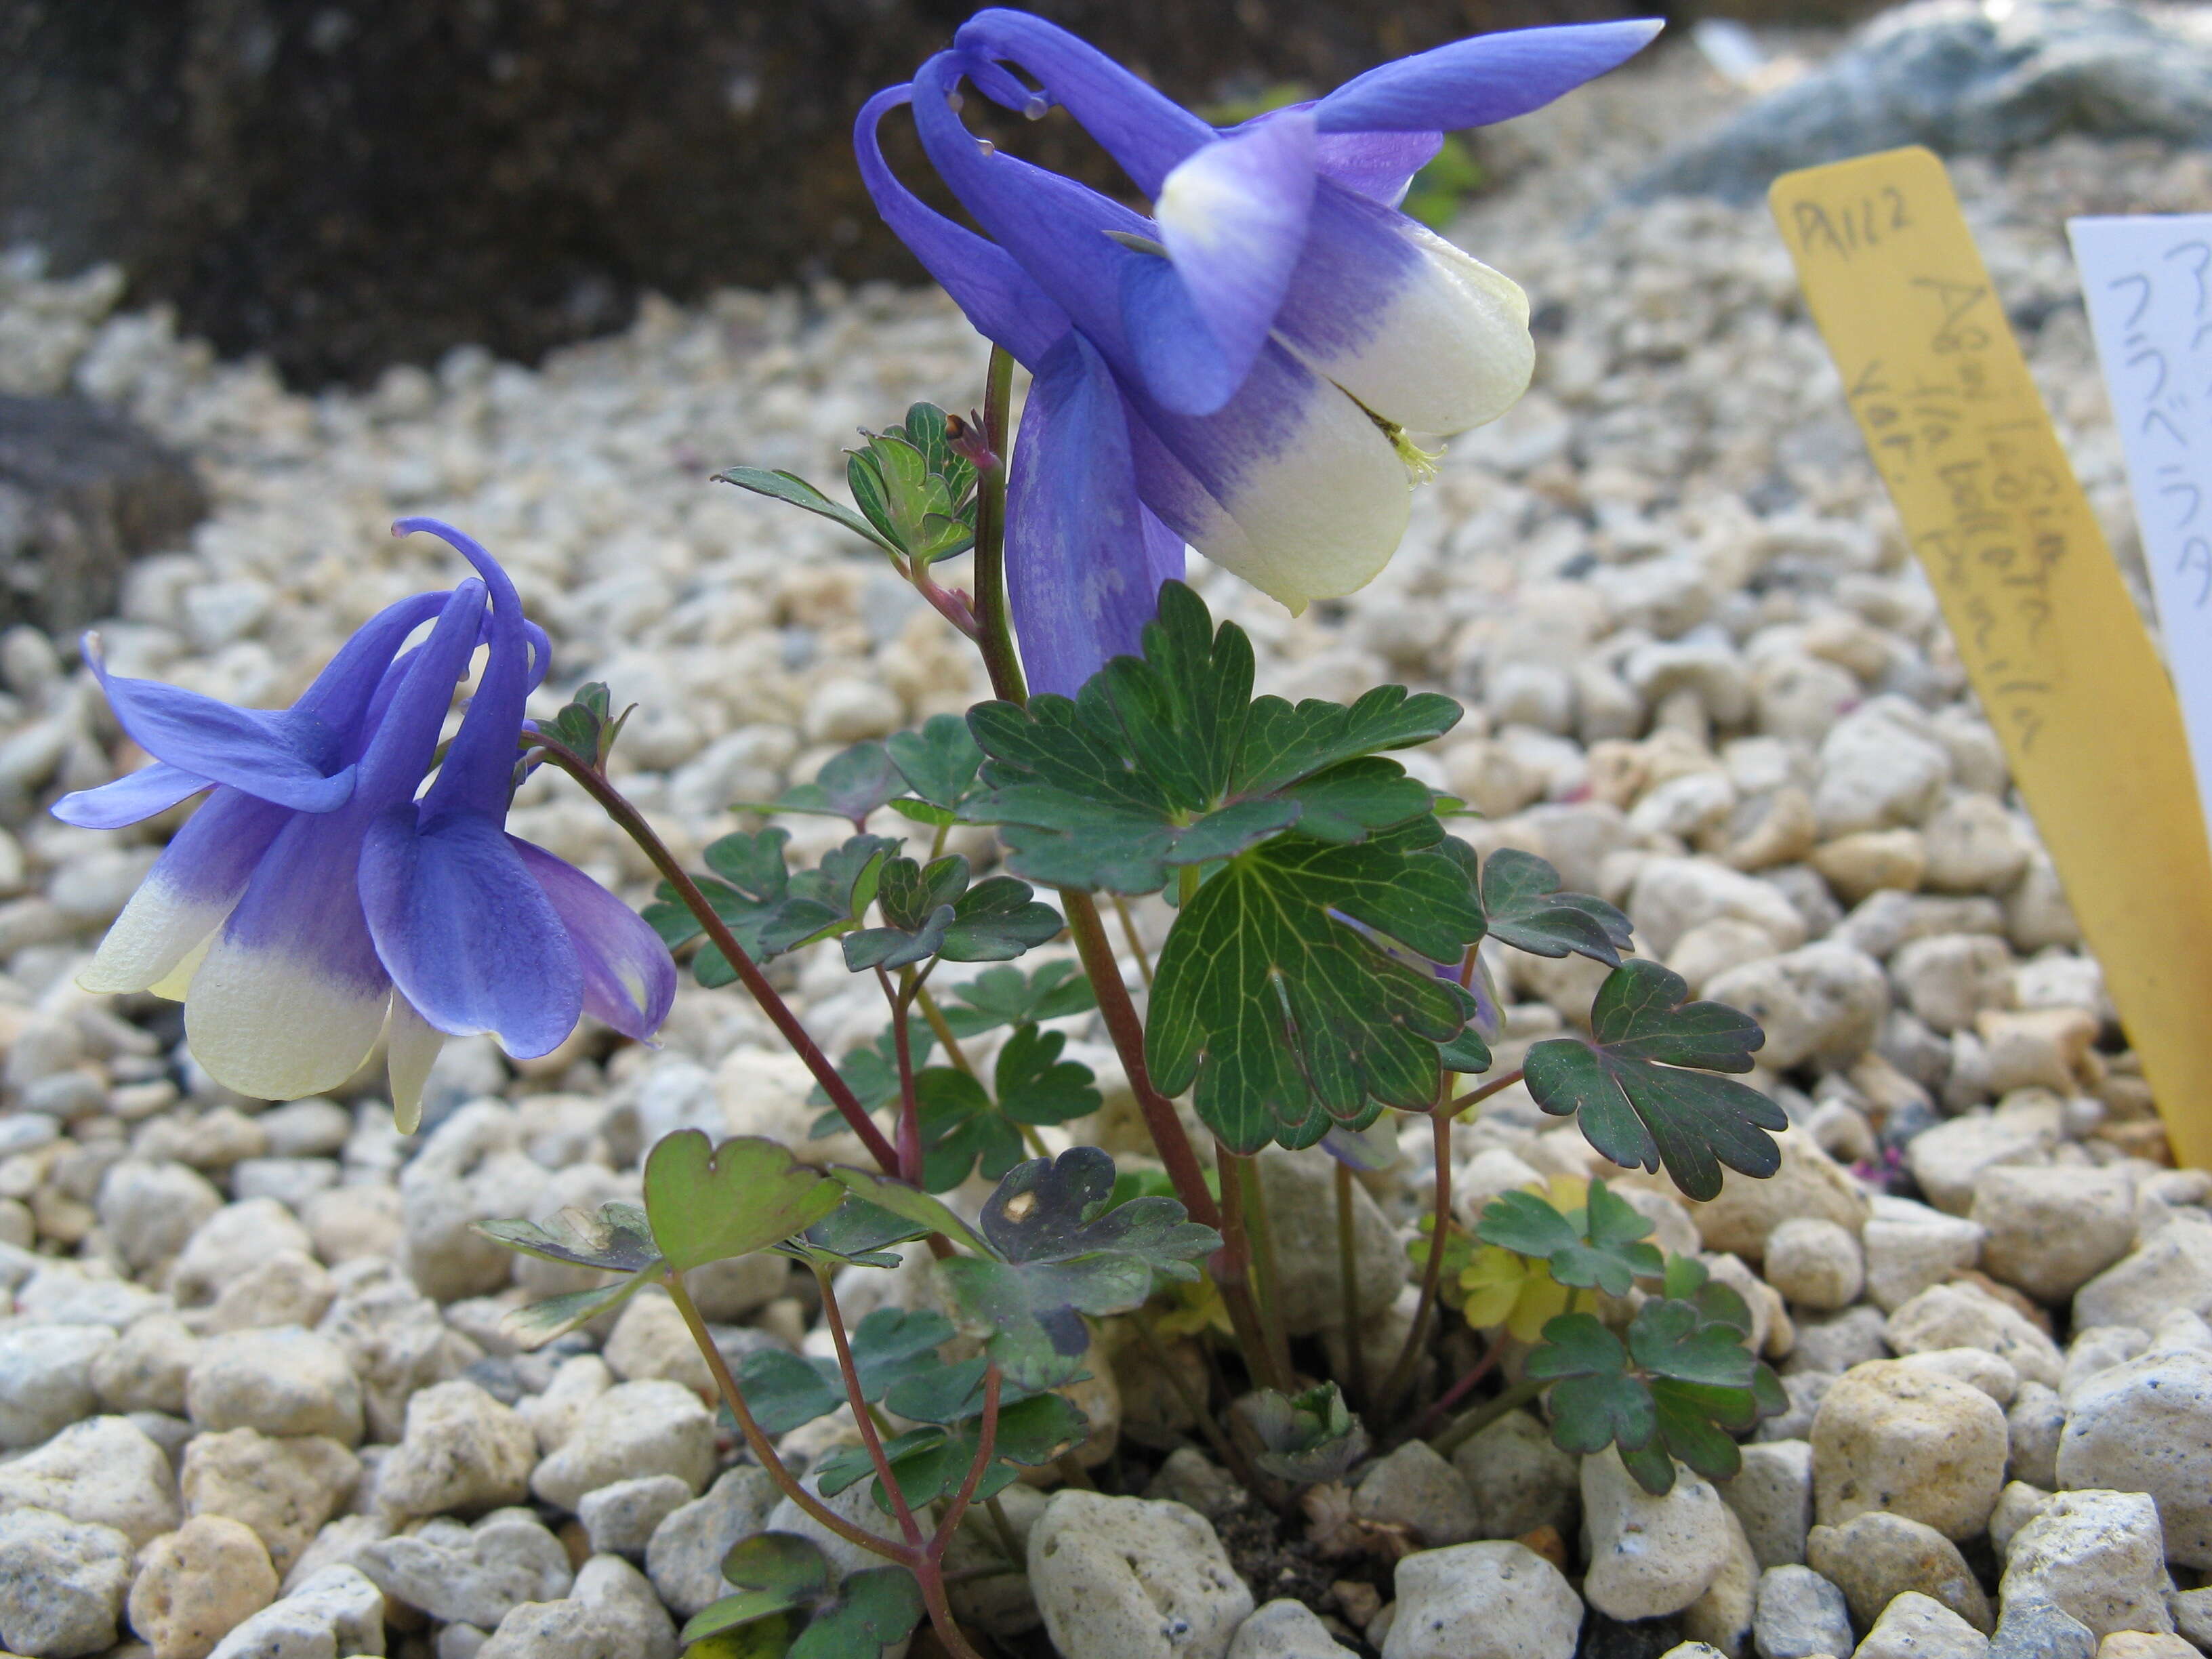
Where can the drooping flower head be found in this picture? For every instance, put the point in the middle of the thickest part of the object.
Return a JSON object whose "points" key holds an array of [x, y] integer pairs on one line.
{"points": [[321, 897], [1239, 371]]}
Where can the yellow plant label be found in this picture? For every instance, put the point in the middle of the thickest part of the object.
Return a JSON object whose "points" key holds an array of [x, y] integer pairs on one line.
{"points": [[2056, 653]]}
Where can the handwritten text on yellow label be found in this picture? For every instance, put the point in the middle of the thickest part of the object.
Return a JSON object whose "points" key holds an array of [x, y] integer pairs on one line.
{"points": [[2046, 627]]}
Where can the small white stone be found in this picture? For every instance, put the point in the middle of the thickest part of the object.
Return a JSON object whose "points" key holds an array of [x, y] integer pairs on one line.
{"points": [[1917, 1626], [47, 1379], [1415, 1488], [1487, 1600], [1132, 1578], [2146, 1427], [2096, 1555], [463, 1453], [1890, 1436], [468, 1575], [1285, 1630], [285, 1380], [338, 1612], [103, 1471], [634, 1429], [61, 1583], [1650, 1557], [1815, 1262]]}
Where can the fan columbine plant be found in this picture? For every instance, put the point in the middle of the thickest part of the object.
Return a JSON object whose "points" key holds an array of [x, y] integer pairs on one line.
{"points": [[1239, 372]]}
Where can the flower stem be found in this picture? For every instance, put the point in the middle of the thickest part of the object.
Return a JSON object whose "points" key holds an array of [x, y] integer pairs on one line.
{"points": [[1347, 1283], [1134, 940], [994, 625], [757, 1442], [1496, 1086], [1265, 1269], [1231, 1267], [1432, 1272], [1485, 1414], [632, 824], [987, 1444], [910, 1119], [861, 1415], [942, 1030]]}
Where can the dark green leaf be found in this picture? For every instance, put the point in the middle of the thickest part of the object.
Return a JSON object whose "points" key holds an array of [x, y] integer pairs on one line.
{"points": [[832, 898], [856, 1231], [617, 1238], [1062, 1258], [895, 947], [932, 1462], [873, 1608], [851, 784], [1596, 1400], [1305, 1438], [774, 1572], [1004, 996], [1274, 999], [928, 1214], [1166, 761], [1597, 1245], [1673, 1339], [1635, 1103], [939, 763], [996, 920], [710, 1204], [960, 1128], [1521, 899], [784, 1390], [947, 1394], [1036, 1085], [1467, 1052], [790, 487]]}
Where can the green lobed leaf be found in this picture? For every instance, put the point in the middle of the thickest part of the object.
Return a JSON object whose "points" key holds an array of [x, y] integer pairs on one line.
{"points": [[1596, 1399], [1036, 1085], [1004, 996], [1062, 1254], [871, 1070], [855, 1232], [891, 1346], [1598, 1244], [1467, 1052], [852, 783], [617, 1238], [711, 1203], [912, 1204], [790, 487], [1632, 1086], [785, 1391], [931, 910], [873, 1608], [1525, 909], [1166, 760], [961, 1128], [1275, 999], [939, 763]]}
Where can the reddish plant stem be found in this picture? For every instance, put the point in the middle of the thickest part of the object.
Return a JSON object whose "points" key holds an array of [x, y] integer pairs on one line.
{"points": [[632, 823], [1458, 1391], [1496, 1086], [861, 1415], [1126, 1031], [1432, 1273], [986, 1443], [786, 1482]]}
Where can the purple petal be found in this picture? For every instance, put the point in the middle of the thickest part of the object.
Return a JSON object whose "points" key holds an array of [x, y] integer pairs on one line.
{"points": [[1141, 128], [1475, 82], [259, 751], [130, 800], [411, 704], [1232, 216], [478, 772], [984, 281], [1377, 165], [1085, 561], [338, 701], [629, 978], [466, 932]]}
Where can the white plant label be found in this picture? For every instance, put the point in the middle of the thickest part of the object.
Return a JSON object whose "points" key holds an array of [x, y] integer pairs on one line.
{"points": [[2148, 282]]}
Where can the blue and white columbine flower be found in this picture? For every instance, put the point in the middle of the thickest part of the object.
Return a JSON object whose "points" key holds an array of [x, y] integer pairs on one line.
{"points": [[1239, 371], [321, 897]]}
